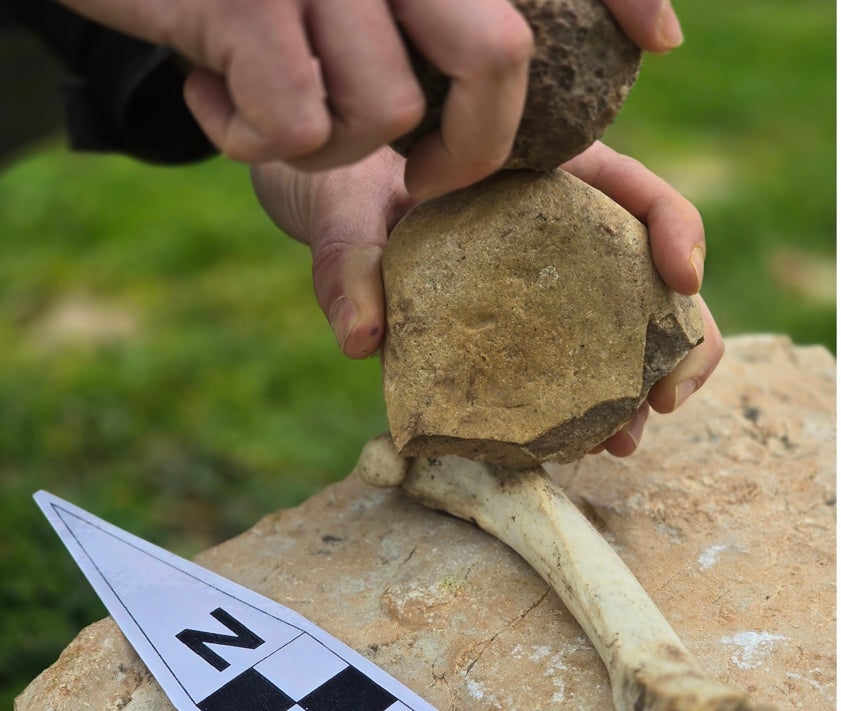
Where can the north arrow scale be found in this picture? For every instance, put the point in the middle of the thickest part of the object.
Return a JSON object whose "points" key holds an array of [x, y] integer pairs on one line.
{"points": [[212, 644]]}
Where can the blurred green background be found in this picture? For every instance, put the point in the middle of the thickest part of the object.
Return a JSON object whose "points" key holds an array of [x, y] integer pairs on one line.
{"points": [[164, 364]]}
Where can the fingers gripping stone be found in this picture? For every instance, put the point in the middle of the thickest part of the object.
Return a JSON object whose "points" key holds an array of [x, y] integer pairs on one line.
{"points": [[581, 72]]}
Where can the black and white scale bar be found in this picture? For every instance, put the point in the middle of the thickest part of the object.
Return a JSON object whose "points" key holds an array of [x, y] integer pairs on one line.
{"points": [[349, 690], [214, 645]]}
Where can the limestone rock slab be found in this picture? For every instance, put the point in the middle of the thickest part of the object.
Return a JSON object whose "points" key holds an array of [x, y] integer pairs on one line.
{"points": [[582, 70], [726, 514], [525, 321]]}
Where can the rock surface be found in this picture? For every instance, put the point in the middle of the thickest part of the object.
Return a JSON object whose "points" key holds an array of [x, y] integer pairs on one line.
{"points": [[526, 321], [726, 515], [582, 70]]}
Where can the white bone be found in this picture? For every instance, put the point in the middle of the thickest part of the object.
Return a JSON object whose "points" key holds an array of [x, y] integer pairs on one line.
{"points": [[649, 667]]}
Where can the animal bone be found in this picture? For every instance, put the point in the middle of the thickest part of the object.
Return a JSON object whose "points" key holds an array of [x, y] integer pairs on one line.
{"points": [[649, 667]]}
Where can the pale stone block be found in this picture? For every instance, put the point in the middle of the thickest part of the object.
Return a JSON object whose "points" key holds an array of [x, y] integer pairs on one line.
{"points": [[726, 515]]}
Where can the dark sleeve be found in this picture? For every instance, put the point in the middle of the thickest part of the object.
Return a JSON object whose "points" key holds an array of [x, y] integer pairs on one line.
{"points": [[122, 94]]}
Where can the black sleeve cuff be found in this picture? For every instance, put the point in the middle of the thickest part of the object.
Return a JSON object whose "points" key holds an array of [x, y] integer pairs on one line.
{"points": [[124, 95]]}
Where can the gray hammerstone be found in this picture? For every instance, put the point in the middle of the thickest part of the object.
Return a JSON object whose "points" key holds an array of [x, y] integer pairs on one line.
{"points": [[582, 69]]}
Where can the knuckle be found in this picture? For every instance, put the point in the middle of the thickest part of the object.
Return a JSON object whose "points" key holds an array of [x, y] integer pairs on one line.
{"points": [[258, 148], [249, 150], [510, 45], [627, 165], [302, 137], [327, 260], [301, 79], [292, 129], [402, 112], [341, 253], [295, 137], [396, 109], [328, 254]]}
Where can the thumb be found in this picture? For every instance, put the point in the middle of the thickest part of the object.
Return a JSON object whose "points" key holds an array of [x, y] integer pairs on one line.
{"points": [[355, 208], [344, 216], [348, 286]]}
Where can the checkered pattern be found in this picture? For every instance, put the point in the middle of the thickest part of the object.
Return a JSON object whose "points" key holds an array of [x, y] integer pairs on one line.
{"points": [[303, 675]]}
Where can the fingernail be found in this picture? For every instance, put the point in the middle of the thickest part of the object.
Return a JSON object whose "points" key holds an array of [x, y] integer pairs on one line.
{"points": [[696, 259], [343, 317], [670, 32], [683, 391], [635, 428]]}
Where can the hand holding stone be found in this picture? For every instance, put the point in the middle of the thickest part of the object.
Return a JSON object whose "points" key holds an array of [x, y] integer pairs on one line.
{"points": [[322, 83], [345, 216], [678, 248], [526, 321], [652, 24]]}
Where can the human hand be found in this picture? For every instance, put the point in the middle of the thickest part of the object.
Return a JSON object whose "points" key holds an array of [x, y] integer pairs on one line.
{"points": [[323, 83], [678, 248], [652, 24], [345, 217]]}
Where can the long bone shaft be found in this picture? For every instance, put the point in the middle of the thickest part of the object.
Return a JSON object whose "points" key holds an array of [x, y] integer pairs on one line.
{"points": [[649, 667]]}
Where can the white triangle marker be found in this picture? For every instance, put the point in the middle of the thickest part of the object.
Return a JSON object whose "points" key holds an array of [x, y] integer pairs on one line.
{"points": [[212, 644]]}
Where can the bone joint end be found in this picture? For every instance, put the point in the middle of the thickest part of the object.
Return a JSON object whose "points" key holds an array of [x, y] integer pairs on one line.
{"points": [[380, 464]]}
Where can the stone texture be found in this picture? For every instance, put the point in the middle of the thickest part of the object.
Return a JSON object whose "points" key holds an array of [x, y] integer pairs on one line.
{"points": [[526, 321], [582, 70], [726, 514]]}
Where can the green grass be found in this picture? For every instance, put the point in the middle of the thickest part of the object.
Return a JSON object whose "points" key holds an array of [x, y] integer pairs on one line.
{"points": [[742, 120], [164, 364], [213, 393]]}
